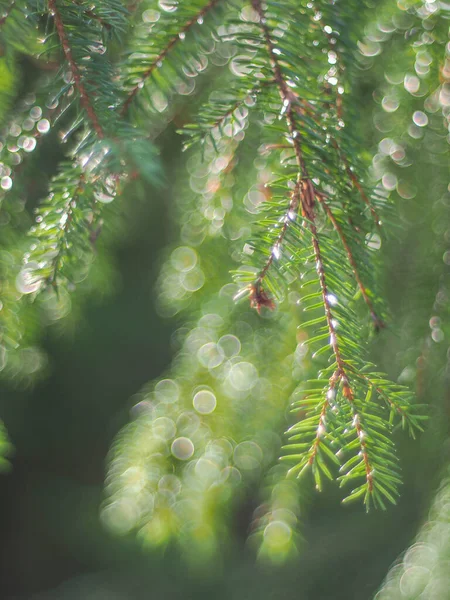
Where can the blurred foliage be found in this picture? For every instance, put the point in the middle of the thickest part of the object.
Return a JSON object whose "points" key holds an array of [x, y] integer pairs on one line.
{"points": [[316, 169]]}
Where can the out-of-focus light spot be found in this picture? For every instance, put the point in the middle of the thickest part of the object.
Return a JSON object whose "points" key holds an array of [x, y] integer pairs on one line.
{"points": [[182, 448], [43, 126], [243, 376], [36, 112], [406, 190], [120, 516], [170, 483], [437, 335], [420, 118], [164, 428], [369, 48], [188, 423], [240, 65], [27, 281], [231, 475], [193, 280], [411, 83], [435, 322], [230, 345], [248, 456], [150, 16], [160, 101], [210, 355], [207, 471], [204, 402], [414, 581], [6, 183], [167, 390], [29, 144], [389, 181], [277, 533], [183, 258], [390, 103]]}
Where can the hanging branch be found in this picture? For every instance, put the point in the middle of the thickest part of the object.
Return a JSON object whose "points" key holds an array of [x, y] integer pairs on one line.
{"points": [[157, 62], [84, 98], [365, 423]]}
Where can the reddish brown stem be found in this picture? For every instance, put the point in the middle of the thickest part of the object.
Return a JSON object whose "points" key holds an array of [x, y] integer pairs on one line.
{"points": [[84, 97], [351, 259], [162, 55]]}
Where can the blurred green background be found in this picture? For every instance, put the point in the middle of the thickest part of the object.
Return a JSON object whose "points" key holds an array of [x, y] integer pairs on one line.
{"points": [[53, 544]]}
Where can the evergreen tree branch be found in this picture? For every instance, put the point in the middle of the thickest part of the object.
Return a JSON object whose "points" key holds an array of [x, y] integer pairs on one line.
{"points": [[157, 62], [78, 79]]}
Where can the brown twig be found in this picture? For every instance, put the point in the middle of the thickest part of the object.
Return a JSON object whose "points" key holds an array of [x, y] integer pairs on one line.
{"points": [[162, 55], [84, 97]]}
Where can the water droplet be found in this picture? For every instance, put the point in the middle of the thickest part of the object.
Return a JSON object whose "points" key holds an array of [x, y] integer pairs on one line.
{"points": [[103, 197], [373, 241], [168, 5]]}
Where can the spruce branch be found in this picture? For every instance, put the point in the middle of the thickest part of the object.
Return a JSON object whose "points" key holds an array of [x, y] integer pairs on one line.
{"points": [[157, 61], [78, 79]]}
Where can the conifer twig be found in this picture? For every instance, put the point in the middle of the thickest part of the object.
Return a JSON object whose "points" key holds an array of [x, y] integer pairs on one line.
{"points": [[84, 97], [162, 55], [308, 196]]}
